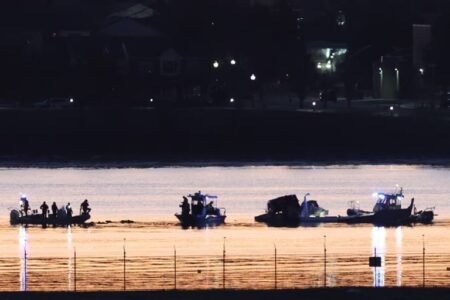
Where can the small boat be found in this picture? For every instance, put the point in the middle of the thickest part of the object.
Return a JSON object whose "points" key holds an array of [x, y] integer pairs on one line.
{"points": [[389, 212], [21, 216], [287, 211], [201, 211]]}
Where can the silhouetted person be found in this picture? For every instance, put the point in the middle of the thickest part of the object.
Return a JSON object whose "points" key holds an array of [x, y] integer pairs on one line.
{"points": [[44, 208], [84, 207], [69, 210], [54, 209], [185, 209], [25, 205], [210, 208], [200, 208]]}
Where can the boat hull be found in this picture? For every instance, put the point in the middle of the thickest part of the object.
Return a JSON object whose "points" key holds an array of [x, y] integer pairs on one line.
{"points": [[200, 221], [279, 220], [37, 219]]}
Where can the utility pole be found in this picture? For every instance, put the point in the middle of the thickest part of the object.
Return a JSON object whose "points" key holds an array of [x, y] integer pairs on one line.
{"points": [[124, 266], [75, 269], [223, 263], [423, 260], [275, 249], [324, 261], [174, 268]]}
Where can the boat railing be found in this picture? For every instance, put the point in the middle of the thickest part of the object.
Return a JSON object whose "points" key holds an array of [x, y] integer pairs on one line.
{"points": [[353, 204]]}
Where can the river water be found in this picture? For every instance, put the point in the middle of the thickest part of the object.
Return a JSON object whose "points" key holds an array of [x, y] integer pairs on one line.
{"points": [[92, 258]]}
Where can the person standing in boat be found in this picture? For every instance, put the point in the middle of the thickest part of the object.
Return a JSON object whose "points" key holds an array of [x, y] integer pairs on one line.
{"points": [[185, 208], [44, 208], [84, 207], [54, 210], [25, 204], [69, 210]]}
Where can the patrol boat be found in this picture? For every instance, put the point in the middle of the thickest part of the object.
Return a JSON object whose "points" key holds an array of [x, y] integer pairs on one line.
{"points": [[200, 211], [388, 211], [20, 215]]}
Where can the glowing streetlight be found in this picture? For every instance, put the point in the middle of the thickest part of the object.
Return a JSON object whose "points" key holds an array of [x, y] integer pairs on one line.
{"points": [[314, 104], [71, 100], [231, 100], [253, 77], [397, 79], [215, 64], [152, 100], [232, 62], [391, 108], [421, 71]]}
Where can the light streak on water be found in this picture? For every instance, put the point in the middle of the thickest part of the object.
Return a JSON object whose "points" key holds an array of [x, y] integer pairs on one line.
{"points": [[379, 246], [398, 247], [23, 253]]}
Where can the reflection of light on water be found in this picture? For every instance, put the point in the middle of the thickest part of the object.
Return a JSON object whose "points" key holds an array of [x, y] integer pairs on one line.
{"points": [[379, 245], [398, 244], [70, 257], [23, 252]]}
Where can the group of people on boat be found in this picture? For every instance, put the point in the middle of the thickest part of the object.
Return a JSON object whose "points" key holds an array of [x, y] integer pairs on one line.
{"points": [[45, 209], [200, 211]]}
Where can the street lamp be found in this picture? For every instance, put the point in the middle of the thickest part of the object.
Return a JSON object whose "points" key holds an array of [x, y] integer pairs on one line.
{"points": [[232, 62], [397, 79], [151, 100], [71, 100], [231, 100], [380, 71], [215, 64], [253, 77]]}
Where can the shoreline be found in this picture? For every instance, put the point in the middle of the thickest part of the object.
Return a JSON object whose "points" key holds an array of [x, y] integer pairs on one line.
{"points": [[140, 162], [315, 293]]}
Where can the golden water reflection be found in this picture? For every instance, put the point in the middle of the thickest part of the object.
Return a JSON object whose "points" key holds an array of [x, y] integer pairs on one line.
{"points": [[249, 263]]}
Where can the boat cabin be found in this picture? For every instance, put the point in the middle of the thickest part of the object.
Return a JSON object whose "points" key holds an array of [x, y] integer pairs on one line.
{"points": [[201, 206], [388, 201]]}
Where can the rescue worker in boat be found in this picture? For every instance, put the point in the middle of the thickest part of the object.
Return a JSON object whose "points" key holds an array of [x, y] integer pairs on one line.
{"points": [[54, 210], [25, 205], [69, 210], [210, 208], [200, 208], [185, 208], [84, 207], [44, 208]]}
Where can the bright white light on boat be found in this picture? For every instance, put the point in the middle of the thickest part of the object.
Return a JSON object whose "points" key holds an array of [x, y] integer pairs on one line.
{"points": [[71, 100], [253, 77], [231, 100], [215, 64], [151, 100], [233, 62], [391, 108], [314, 103]]}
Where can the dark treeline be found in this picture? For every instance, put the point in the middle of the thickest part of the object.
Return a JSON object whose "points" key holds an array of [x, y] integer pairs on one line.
{"points": [[127, 52]]}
